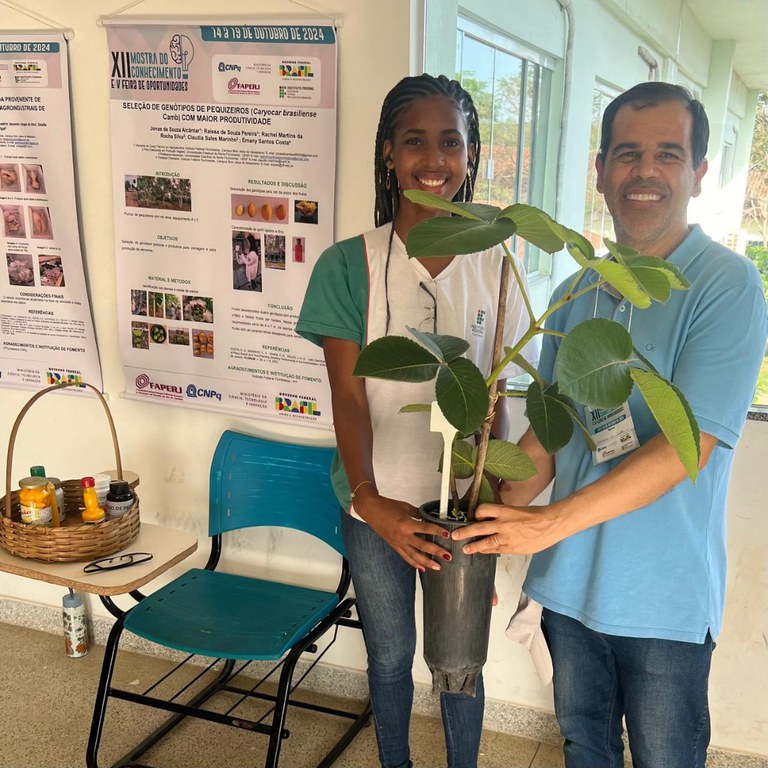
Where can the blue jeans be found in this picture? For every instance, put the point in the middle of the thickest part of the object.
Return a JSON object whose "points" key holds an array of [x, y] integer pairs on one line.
{"points": [[658, 686], [385, 586]]}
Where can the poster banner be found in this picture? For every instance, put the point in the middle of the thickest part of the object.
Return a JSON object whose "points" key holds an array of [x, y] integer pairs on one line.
{"points": [[223, 155], [46, 328]]}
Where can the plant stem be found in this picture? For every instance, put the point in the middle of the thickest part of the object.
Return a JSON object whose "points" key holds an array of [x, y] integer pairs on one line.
{"points": [[498, 346]]}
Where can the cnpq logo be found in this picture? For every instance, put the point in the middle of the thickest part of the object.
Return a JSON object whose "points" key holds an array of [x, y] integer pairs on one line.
{"points": [[224, 67], [195, 391]]}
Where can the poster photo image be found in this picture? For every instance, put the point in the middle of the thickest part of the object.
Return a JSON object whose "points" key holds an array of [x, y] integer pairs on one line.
{"points": [[13, 221], [164, 193], [246, 261], [138, 302], [34, 182], [305, 211], [273, 210], [274, 251], [20, 269], [139, 335], [10, 180], [51, 271], [41, 222]]}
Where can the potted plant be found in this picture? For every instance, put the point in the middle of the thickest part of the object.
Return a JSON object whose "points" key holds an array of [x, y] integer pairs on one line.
{"points": [[597, 367]]}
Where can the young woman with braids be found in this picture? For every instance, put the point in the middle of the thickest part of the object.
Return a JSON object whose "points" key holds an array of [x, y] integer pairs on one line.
{"points": [[386, 464]]}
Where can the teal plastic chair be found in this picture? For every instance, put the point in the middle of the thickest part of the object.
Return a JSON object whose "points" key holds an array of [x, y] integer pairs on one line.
{"points": [[238, 619]]}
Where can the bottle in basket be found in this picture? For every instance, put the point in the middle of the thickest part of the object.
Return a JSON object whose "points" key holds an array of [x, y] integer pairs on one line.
{"points": [[57, 498], [35, 501], [92, 513], [101, 486], [119, 499], [75, 625]]}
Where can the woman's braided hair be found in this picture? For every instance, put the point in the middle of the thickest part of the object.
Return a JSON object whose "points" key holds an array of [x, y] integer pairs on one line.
{"points": [[408, 90]]}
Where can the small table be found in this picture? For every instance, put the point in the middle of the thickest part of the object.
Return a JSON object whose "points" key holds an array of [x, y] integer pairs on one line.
{"points": [[168, 546]]}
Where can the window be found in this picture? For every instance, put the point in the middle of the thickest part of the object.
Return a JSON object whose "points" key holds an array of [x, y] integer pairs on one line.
{"points": [[510, 88], [597, 220], [726, 164]]}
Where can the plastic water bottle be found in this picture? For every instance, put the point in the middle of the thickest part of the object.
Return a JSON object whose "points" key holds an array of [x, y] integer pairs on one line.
{"points": [[75, 625]]}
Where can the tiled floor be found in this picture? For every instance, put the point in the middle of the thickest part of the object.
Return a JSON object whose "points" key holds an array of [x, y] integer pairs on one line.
{"points": [[47, 700]]}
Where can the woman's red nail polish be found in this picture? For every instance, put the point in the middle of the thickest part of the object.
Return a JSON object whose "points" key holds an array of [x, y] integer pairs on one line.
{"points": [[446, 556], [445, 534]]}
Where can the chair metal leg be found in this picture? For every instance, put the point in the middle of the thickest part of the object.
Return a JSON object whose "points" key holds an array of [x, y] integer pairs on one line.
{"points": [[162, 730], [284, 691], [102, 694], [346, 737], [281, 699]]}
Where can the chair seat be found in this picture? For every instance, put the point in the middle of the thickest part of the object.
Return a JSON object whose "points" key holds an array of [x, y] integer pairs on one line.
{"points": [[229, 616]]}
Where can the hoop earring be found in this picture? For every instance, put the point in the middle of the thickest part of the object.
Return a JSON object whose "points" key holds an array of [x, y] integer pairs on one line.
{"points": [[468, 191]]}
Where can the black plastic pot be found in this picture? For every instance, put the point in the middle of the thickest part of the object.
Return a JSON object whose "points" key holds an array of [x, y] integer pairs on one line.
{"points": [[457, 611]]}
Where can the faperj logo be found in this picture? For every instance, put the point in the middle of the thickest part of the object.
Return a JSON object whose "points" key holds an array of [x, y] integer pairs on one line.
{"points": [[235, 86], [293, 404], [143, 382]]}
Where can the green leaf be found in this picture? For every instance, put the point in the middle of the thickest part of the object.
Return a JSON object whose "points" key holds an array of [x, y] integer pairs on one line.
{"points": [[623, 280], [462, 395], [466, 210], [533, 225], [450, 235], [578, 245], [673, 414], [549, 417], [633, 259], [416, 408], [675, 279], [593, 364], [482, 210], [654, 282], [463, 457], [649, 366], [446, 348], [486, 492], [508, 461], [396, 358]]}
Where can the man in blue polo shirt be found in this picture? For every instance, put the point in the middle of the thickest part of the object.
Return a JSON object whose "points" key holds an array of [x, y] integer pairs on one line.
{"points": [[630, 555]]}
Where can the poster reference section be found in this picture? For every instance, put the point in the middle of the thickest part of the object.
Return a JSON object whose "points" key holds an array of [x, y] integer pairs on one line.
{"points": [[46, 329], [223, 153]]}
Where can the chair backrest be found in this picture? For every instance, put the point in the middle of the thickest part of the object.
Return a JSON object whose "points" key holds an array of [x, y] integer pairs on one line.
{"points": [[256, 482]]}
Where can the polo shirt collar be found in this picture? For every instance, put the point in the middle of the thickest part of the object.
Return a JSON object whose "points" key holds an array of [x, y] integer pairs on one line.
{"points": [[690, 249]]}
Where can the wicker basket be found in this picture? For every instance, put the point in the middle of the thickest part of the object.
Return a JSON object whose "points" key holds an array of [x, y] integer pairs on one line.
{"points": [[72, 541]]}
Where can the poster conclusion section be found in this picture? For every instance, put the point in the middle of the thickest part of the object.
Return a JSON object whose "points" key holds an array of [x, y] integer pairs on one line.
{"points": [[224, 156], [46, 329]]}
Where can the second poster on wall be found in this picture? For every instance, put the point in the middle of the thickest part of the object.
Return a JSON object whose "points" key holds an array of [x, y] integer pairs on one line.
{"points": [[223, 144]]}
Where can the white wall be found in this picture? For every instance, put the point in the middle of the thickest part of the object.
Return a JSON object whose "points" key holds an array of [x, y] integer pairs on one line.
{"points": [[171, 448]]}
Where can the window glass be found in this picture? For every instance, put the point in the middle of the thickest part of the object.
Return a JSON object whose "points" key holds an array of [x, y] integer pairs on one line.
{"points": [[506, 86], [597, 221]]}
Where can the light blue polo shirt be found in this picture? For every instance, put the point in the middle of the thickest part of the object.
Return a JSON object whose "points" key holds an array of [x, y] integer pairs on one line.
{"points": [[660, 571]]}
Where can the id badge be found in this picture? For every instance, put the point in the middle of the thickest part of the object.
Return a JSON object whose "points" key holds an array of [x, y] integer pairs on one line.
{"points": [[613, 431]]}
